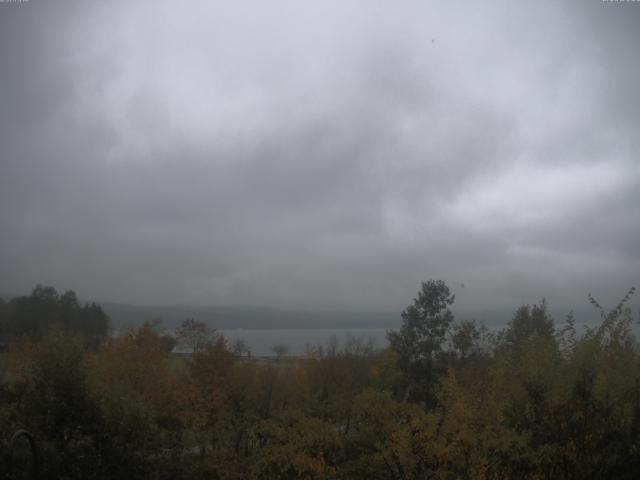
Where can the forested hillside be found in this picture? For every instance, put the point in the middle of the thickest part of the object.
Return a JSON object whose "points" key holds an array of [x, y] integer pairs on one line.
{"points": [[448, 399]]}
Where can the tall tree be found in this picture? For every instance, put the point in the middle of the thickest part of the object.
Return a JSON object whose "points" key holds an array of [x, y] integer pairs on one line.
{"points": [[529, 322], [424, 329]]}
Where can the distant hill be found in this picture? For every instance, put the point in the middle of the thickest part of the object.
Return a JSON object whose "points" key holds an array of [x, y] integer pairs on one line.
{"points": [[122, 315], [247, 318], [225, 318]]}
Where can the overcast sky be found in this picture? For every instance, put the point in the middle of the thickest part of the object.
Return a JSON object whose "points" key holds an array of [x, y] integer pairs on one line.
{"points": [[325, 154]]}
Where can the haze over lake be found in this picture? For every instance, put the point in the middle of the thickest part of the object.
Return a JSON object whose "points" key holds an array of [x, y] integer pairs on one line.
{"points": [[297, 342]]}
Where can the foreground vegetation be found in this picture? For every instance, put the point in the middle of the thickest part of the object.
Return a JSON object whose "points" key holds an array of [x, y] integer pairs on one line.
{"points": [[446, 400]]}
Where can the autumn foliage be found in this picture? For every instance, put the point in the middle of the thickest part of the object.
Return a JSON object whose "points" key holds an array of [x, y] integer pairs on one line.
{"points": [[447, 400]]}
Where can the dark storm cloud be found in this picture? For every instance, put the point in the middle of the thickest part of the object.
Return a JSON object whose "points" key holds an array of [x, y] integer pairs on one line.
{"points": [[325, 155]]}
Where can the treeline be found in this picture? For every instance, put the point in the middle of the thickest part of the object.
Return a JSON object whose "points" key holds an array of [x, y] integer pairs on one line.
{"points": [[446, 400], [35, 314]]}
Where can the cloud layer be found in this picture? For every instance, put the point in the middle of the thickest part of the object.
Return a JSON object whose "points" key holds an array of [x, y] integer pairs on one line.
{"points": [[326, 155]]}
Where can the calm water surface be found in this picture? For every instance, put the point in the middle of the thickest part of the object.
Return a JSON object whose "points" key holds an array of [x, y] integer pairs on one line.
{"points": [[261, 342]]}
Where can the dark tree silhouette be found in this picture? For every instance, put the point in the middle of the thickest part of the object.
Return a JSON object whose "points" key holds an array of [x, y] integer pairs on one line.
{"points": [[421, 337]]}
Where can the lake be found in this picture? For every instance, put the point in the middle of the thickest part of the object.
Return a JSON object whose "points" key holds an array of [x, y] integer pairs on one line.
{"points": [[261, 342]]}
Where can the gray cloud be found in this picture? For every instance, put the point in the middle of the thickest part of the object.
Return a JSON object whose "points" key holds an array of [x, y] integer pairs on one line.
{"points": [[327, 155]]}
